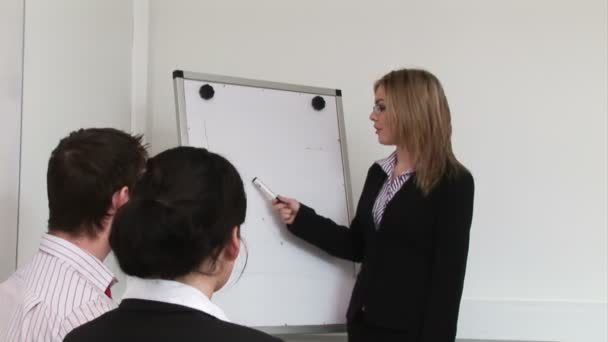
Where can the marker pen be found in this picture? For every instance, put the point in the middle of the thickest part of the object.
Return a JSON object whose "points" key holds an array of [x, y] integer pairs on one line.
{"points": [[260, 185]]}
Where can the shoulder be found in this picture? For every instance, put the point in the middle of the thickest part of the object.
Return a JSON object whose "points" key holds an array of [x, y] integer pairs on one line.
{"points": [[459, 180], [374, 174], [87, 314], [374, 169], [185, 324], [246, 333], [212, 328], [87, 330], [93, 307], [455, 187]]}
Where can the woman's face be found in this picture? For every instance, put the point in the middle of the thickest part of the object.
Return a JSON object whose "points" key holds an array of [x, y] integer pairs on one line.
{"points": [[380, 118]]}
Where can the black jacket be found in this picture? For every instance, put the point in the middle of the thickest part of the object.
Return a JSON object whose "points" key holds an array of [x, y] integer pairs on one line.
{"points": [[413, 266], [151, 321]]}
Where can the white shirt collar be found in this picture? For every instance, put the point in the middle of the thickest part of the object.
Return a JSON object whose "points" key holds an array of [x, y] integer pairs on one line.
{"points": [[173, 292]]}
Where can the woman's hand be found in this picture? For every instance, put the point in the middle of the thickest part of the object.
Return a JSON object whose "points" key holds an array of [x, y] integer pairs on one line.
{"points": [[287, 208]]}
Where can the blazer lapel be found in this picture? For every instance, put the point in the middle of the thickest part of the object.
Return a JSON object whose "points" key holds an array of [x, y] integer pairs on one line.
{"points": [[377, 179], [401, 200]]}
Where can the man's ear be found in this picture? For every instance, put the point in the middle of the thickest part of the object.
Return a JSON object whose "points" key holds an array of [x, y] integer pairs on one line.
{"points": [[233, 246], [120, 198]]}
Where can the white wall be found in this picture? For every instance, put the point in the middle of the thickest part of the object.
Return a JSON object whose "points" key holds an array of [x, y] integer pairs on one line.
{"points": [[77, 73], [11, 57], [527, 82]]}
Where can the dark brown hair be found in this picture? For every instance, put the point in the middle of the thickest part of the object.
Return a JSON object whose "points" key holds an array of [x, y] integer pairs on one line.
{"points": [[84, 171]]}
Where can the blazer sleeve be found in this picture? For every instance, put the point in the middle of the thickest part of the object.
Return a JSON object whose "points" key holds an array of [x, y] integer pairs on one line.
{"points": [[339, 241], [451, 245]]}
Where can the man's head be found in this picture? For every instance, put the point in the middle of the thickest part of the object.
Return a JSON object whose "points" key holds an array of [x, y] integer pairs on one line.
{"points": [[89, 176]]}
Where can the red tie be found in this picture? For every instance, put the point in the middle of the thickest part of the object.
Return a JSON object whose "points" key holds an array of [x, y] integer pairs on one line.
{"points": [[109, 292]]}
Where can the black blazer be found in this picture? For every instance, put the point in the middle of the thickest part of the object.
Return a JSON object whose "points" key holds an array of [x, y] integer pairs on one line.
{"points": [[413, 266], [150, 321]]}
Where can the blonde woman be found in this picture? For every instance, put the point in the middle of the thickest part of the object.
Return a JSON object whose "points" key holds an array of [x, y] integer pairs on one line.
{"points": [[411, 228]]}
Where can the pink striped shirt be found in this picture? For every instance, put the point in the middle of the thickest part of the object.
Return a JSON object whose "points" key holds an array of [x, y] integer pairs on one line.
{"points": [[60, 289], [390, 186]]}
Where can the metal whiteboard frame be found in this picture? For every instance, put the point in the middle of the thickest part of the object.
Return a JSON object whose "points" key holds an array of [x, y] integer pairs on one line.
{"points": [[182, 128]]}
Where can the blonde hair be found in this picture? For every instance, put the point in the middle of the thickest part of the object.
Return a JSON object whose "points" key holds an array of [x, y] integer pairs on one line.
{"points": [[420, 117]]}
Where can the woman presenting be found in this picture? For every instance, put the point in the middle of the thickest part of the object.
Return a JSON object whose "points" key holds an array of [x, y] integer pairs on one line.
{"points": [[411, 228]]}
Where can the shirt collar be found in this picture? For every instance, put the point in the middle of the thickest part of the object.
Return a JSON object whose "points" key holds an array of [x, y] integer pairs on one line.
{"points": [[388, 165], [91, 268], [173, 292]]}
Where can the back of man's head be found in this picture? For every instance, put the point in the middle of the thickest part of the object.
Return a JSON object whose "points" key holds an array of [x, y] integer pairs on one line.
{"points": [[85, 170]]}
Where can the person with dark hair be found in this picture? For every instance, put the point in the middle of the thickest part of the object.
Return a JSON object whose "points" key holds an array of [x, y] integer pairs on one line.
{"points": [[66, 284], [178, 240]]}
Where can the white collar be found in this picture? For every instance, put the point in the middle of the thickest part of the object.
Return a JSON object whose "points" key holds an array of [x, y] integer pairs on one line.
{"points": [[173, 292]]}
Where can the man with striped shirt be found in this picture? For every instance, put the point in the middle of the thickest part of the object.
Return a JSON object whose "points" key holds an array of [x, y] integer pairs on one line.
{"points": [[66, 283]]}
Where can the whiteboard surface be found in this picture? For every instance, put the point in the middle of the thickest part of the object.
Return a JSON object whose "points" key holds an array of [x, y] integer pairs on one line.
{"points": [[295, 150]]}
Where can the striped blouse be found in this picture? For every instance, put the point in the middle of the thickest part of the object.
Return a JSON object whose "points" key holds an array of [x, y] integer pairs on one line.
{"points": [[62, 288], [390, 186]]}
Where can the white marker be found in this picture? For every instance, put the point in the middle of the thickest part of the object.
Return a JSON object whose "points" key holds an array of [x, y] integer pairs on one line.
{"points": [[260, 185]]}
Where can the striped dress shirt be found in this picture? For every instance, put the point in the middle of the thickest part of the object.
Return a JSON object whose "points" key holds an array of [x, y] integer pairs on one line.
{"points": [[62, 288], [390, 186]]}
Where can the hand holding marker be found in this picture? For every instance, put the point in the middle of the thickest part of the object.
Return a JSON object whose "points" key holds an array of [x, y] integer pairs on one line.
{"points": [[287, 208]]}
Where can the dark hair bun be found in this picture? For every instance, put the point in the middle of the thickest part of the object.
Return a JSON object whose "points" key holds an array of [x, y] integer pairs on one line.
{"points": [[182, 213]]}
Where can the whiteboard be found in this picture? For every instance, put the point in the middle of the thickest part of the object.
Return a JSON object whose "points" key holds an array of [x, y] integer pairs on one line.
{"points": [[271, 131]]}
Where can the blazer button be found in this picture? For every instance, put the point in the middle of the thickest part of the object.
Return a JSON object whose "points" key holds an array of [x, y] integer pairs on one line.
{"points": [[363, 308]]}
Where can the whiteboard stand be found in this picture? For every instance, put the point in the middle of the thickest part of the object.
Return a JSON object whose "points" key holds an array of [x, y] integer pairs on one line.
{"points": [[270, 130]]}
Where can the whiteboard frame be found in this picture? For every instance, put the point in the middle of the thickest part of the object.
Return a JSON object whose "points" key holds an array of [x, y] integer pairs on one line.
{"points": [[182, 128]]}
